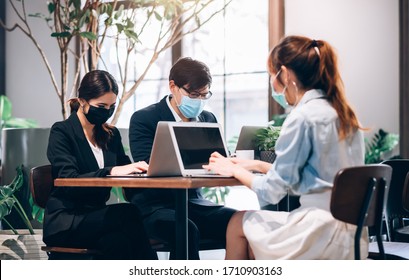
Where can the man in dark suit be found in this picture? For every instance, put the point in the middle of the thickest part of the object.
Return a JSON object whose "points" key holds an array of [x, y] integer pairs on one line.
{"points": [[189, 83]]}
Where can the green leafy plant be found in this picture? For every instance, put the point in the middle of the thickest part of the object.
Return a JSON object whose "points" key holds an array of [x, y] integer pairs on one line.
{"points": [[8, 201], [266, 138], [278, 120], [8, 121], [217, 195], [381, 144], [38, 212], [232, 143]]}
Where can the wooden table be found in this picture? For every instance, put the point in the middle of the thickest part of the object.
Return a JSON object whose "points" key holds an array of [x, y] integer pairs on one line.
{"points": [[180, 183]]}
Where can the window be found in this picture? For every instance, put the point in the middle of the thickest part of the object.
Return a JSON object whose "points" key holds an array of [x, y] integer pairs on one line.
{"points": [[155, 83], [234, 45]]}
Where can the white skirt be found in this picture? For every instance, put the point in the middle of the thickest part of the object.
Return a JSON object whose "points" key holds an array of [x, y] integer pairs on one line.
{"points": [[309, 232]]}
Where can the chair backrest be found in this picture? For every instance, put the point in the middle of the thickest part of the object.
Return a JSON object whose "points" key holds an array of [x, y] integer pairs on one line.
{"points": [[395, 211], [358, 197], [41, 184], [405, 197]]}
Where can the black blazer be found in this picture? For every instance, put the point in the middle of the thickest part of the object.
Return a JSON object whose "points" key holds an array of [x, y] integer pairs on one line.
{"points": [[71, 156], [142, 130]]}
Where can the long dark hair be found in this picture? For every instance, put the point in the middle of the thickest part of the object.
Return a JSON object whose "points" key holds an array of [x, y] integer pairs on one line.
{"points": [[315, 65], [93, 85]]}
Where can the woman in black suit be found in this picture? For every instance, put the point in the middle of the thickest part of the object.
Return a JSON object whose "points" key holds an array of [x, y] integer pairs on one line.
{"points": [[84, 145]]}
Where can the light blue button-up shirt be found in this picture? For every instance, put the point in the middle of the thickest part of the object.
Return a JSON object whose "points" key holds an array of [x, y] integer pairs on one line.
{"points": [[309, 151]]}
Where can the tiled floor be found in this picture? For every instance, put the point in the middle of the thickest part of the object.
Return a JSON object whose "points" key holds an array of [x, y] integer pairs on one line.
{"points": [[204, 255], [212, 255]]}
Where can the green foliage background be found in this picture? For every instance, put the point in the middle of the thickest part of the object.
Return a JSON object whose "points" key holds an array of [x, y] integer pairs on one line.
{"points": [[381, 143]]}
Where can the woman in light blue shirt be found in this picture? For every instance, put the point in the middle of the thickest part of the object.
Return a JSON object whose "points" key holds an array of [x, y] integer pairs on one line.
{"points": [[320, 136]]}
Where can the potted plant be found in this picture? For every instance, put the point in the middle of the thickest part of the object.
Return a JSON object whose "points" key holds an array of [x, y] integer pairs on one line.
{"points": [[8, 201], [265, 140], [10, 157], [8, 121], [21, 243], [380, 147]]}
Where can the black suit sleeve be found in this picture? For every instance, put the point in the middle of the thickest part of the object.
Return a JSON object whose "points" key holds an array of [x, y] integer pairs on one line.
{"points": [[142, 130], [71, 157], [62, 152], [207, 116]]}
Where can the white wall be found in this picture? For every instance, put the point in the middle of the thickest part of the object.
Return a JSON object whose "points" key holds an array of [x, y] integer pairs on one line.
{"points": [[365, 34], [28, 83]]}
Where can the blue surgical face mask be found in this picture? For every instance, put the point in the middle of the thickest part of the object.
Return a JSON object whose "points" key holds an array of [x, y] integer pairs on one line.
{"points": [[279, 97], [191, 108]]}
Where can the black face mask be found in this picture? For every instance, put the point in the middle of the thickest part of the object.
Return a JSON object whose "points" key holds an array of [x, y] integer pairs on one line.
{"points": [[99, 115]]}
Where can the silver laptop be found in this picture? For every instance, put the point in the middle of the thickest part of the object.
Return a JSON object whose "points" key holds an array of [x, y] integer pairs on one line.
{"points": [[247, 137], [180, 149]]}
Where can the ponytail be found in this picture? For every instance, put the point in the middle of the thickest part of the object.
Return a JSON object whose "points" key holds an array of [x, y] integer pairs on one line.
{"points": [[74, 104], [331, 82], [315, 65]]}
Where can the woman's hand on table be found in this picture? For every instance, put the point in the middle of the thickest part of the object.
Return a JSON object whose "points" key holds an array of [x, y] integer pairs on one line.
{"points": [[236, 167], [222, 165], [136, 167]]}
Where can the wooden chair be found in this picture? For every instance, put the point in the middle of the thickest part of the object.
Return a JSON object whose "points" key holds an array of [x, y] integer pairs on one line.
{"points": [[41, 184], [358, 198]]}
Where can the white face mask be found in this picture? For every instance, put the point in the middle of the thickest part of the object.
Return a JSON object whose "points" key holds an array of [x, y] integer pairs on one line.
{"points": [[279, 97]]}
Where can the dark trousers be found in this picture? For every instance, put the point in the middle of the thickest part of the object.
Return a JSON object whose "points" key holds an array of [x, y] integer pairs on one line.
{"points": [[206, 222], [117, 230]]}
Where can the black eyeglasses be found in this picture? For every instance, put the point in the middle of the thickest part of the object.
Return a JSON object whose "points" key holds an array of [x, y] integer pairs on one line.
{"points": [[195, 94]]}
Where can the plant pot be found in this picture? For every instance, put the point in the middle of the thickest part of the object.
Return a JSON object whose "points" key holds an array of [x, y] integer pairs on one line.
{"points": [[268, 156], [27, 147], [22, 246]]}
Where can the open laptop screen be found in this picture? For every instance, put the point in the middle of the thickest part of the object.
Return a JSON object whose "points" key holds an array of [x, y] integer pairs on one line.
{"points": [[196, 144], [247, 137]]}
